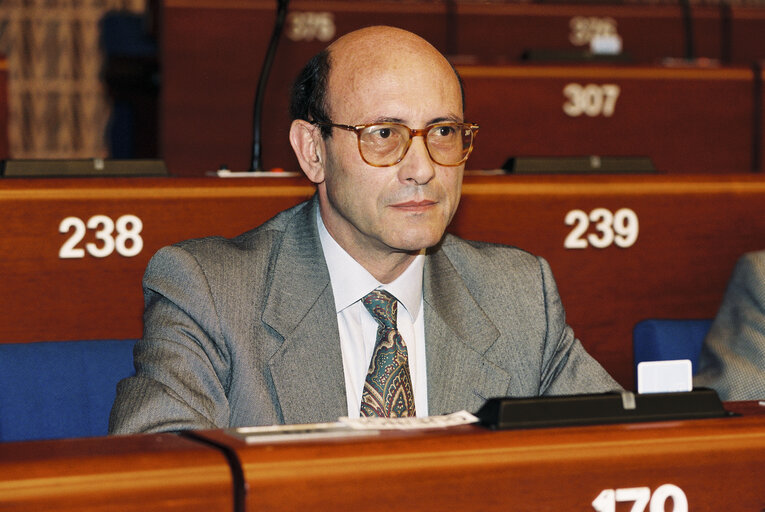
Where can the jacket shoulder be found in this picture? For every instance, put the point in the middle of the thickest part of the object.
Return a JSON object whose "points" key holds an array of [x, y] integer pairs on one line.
{"points": [[498, 261]]}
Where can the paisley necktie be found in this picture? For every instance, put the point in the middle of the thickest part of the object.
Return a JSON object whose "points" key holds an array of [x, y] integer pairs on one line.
{"points": [[388, 387]]}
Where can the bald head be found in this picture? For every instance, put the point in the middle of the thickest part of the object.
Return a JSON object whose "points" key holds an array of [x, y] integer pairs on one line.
{"points": [[355, 58], [389, 93]]}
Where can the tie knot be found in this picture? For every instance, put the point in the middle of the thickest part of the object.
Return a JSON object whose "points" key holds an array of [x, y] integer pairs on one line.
{"points": [[382, 306]]}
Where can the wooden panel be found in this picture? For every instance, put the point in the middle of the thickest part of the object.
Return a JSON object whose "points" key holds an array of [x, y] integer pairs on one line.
{"points": [[4, 99], [45, 297], [688, 120], [649, 33], [130, 473], [747, 38], [758, 152], [212, 54], [714, 464], [691, 231], [212, 58]]}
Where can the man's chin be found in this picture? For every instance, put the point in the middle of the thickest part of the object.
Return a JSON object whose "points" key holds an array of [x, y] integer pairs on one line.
{"points": [[419, 241]]}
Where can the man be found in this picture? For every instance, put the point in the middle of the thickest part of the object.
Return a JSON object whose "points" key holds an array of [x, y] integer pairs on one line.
{"points": [[732, 359], [287, 323]]}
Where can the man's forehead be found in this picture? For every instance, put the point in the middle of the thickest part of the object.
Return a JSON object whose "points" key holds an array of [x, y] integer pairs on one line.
{"points": [[373, 73], [378, 37], [382, 46]]}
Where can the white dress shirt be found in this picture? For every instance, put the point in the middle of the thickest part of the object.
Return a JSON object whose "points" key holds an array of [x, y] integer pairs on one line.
{"points": [[358, 329]]}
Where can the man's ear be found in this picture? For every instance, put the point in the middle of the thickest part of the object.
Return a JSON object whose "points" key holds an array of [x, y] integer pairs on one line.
{"points": [[308, 144]]}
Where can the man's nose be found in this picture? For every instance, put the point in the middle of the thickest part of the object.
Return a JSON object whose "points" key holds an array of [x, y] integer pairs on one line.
{"points": [[417, 166]]}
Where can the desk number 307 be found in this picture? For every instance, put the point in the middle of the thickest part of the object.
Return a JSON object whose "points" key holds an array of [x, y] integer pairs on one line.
{"points": [[127, 242], [642, 497]]}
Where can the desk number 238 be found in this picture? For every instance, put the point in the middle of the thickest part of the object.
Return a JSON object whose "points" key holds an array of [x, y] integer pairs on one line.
{"points": [[127, 241], [620, 227]]}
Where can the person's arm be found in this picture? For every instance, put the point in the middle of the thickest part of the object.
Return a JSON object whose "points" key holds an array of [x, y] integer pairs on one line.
{"points": [[181, 363], [732, 359], [568, 368]]}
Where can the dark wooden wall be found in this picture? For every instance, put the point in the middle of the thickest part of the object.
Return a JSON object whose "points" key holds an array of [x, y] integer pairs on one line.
{"points": [[668, 252]]}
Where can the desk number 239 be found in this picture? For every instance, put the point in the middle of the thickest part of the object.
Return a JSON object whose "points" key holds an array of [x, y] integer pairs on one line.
{"points": [[127, 242], [620, 227]]}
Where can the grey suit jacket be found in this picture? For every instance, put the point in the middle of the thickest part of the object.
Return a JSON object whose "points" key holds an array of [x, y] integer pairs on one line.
{"points": [[244, 332], [732, 359]]}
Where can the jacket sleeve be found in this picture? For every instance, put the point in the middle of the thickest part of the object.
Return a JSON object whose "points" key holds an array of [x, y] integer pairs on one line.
{"points": [[732, 359], [567, 367], [181, 362]]}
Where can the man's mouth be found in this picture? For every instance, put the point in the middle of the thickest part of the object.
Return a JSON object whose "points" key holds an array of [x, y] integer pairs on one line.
{"points": [[415, 206]]}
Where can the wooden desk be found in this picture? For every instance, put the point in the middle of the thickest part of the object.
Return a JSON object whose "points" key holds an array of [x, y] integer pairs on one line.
{"points": [[52, 293], [690, 231], [747, 33], [4, 100], [714, 464], [212, 54], [132, 473], [649, 33], [758, 123], [671, 114]]}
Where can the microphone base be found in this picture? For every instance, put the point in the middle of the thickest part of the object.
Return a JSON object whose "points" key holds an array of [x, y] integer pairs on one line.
{"points": [[225, 173], [596, 409]]}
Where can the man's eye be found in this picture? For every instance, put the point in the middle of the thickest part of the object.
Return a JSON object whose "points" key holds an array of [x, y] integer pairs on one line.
{"points": [[383, 133]]}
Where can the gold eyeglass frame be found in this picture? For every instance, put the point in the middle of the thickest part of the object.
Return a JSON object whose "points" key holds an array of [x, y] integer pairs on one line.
{"points": [[413, 132]]}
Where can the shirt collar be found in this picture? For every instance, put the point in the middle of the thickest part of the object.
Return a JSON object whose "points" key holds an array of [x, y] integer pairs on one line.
{"points": [[351, 282]]}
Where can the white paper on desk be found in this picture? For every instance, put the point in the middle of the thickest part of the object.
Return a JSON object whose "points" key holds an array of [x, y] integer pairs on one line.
{"points": [[346, 427], [307, 431], [446, 420]]}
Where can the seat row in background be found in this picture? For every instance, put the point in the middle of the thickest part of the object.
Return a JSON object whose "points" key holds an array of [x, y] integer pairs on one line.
{"points": [[4, 149], [682, 84], [65, 389], [623, 249]]}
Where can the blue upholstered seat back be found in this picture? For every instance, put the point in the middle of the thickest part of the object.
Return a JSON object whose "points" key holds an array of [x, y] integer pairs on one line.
{"points": [[662, 340], [52, 390]]}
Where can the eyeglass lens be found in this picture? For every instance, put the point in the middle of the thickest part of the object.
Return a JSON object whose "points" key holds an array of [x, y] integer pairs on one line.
{"points": [[385, 144]]}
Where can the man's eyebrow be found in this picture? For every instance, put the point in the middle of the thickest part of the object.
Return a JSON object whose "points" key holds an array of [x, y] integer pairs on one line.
{"points": [[441, 119], [389, 120], [447, 119]]}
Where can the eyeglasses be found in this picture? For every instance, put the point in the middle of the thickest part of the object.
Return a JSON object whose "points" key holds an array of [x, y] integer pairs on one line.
{"points": [[386, 144]]}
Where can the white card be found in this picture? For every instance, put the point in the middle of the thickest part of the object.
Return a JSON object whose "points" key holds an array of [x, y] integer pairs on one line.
{"points": [[665, 376]]}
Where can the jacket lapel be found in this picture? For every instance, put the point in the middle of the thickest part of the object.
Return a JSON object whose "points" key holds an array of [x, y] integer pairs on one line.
{"points": [[457, 334], [307, 367]]}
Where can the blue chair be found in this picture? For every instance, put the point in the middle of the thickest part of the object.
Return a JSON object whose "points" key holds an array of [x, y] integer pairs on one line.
{"points": [[54, 390], [664, 340]]}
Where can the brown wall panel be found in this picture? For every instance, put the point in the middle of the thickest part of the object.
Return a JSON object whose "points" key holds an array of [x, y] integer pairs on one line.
{"points": [[159, 472], [648, 33], [747, 36], [687, 120], [710, 464], [671, 257], [212, 53], [4, 99]]}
